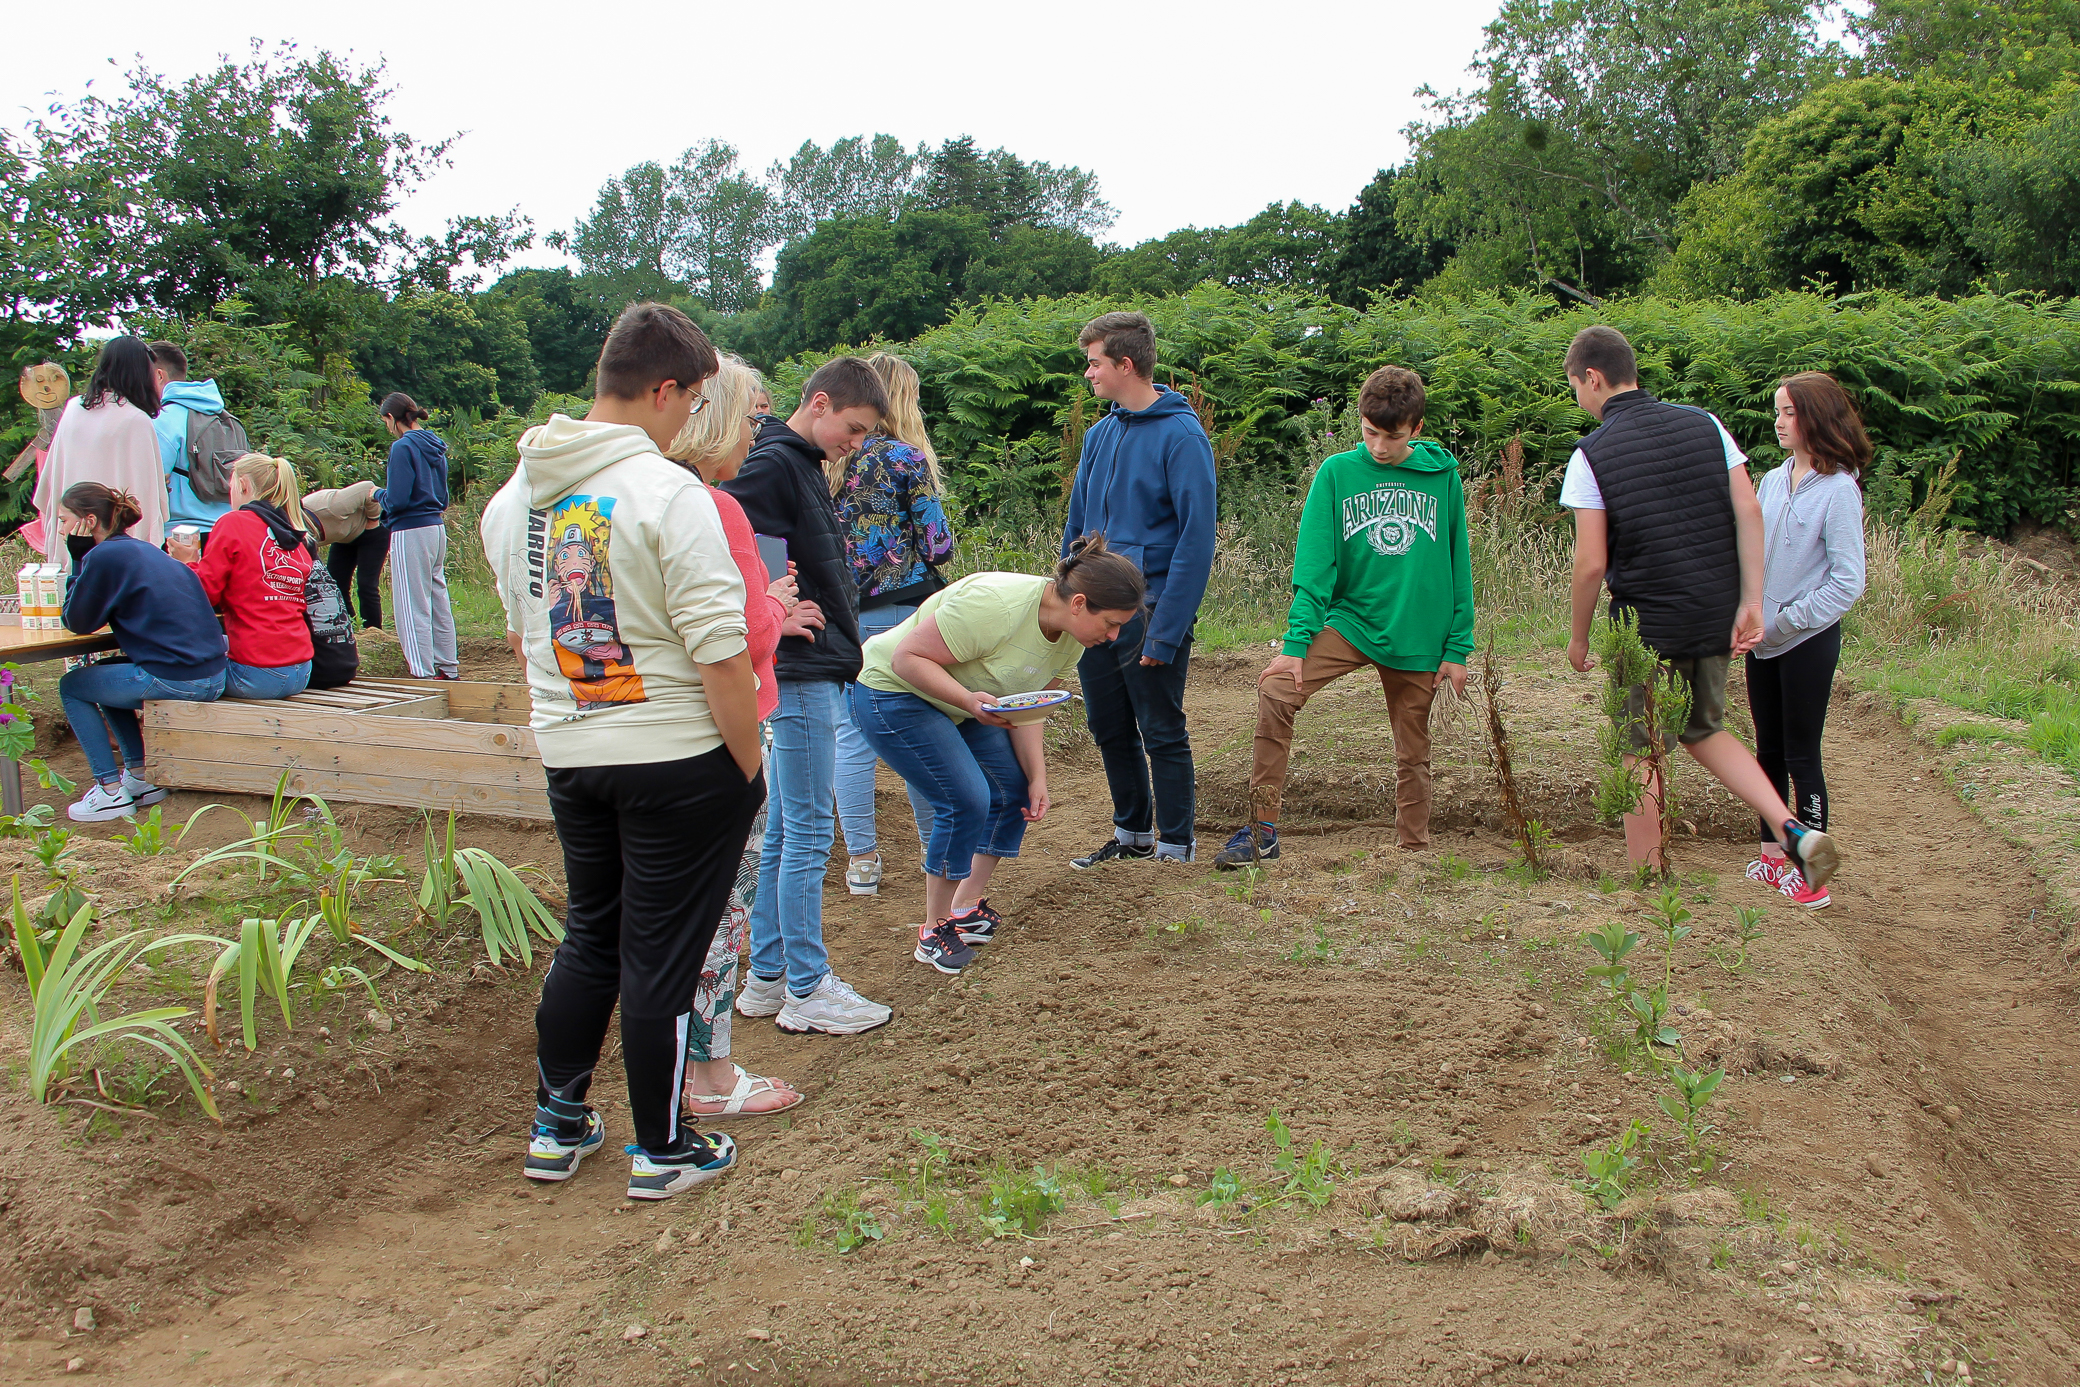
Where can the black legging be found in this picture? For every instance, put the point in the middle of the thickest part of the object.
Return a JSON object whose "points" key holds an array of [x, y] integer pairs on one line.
{"points": [[1788, 695], [363, 559]]}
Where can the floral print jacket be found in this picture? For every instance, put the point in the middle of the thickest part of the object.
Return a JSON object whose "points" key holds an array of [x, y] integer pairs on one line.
{"points": [[895, 524]]}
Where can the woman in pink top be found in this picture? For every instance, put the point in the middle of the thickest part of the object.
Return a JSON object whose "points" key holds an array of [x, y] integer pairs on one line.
{"points": [[714, 443], [106, 436]]}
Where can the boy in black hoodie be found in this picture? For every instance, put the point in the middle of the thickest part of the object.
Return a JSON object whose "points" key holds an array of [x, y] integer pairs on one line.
{"points": [[786, 495]]}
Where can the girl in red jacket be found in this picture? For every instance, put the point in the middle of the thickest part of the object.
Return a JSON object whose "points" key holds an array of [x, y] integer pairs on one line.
{"points": [[259, 559]]}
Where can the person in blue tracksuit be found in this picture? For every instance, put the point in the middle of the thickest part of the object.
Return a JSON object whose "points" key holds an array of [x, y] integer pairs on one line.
{"points": [[1145, 482], [414, 497]]}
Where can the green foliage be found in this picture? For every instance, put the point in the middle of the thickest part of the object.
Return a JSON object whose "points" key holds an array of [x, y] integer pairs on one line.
{"points": [[1612, 944], [850, 1226], [508, 912], [1018, 1202], [69, 986], [1747, 923], [1673, 917], [1310, 1178], [1648, 1012], [1686, 1105], [147, 835], [1613, 1169]]}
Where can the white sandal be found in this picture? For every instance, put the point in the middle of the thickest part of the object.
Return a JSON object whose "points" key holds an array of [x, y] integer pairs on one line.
{"points": [[749, 1086]]}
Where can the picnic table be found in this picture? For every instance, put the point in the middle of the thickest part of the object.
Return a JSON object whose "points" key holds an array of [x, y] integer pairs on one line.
{"points": [[21, 646]]}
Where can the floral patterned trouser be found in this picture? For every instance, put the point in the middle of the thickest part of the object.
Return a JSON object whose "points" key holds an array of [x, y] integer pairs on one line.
{"points": [[707, 1035]]}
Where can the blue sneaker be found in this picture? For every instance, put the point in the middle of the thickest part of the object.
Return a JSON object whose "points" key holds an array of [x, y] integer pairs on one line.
{"points": [[706, 1156], [554, 1157], [1252, 843]]}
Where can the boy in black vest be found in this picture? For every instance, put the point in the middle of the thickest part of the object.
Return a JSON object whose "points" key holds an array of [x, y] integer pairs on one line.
{"points": [[1665, 511]]}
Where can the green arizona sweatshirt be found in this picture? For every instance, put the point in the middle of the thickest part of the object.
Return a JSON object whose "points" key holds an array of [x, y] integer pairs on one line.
{"points": [[1382, 558]]}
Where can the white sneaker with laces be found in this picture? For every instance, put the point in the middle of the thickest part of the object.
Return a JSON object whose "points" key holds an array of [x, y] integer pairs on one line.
{"points": [[143, 793], [863, 875], [832, 1009], [758, 997], [101, 803]]}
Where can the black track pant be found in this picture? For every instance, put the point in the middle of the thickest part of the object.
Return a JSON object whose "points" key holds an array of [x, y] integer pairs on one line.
{"points": [[362, 560], [650, 852], [1788, 694]]}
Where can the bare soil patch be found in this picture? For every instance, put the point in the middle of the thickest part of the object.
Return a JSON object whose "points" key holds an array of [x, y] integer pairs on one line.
{"points": [[1893, 1200]]}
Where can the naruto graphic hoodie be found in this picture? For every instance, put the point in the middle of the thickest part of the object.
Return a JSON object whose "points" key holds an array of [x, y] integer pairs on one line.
{"points": [[615, 572], [1382, 557]]}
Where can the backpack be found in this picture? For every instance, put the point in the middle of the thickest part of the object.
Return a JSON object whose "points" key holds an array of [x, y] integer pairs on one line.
{"points": [[335, 659], [215, 441]]}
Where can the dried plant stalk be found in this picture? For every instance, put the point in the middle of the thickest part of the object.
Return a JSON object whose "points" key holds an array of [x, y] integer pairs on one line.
{"points": [[1505, 771]]}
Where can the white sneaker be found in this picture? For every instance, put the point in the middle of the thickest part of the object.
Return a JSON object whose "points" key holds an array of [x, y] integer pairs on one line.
{"points": [[757, 997], [863, 875], [143, 793], [102, 802], [832, 1009]]}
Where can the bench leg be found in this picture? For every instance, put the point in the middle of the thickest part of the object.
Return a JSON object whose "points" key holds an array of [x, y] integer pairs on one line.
{"points": [[10, 786]]}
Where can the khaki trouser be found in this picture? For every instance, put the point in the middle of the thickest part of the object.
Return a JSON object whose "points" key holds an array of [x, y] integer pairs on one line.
{"points": [[1409, 693]]}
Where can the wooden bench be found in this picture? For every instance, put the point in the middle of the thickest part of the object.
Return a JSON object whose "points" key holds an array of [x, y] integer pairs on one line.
{"points": [[422, 743]]}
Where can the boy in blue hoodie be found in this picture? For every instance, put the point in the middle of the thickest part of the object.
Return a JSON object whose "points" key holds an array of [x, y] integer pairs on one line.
{"points": [[178, 397], [1146, 483], [414, 497]]}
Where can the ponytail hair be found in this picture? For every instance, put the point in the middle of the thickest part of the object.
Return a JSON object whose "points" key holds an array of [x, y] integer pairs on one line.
{"points": [[273, 480], [116, 511], [403, 408], [1108, 582]]}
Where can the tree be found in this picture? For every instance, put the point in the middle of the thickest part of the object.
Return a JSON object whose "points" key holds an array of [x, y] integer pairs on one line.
{"points": [[855, 177], [1375, 253], [1028, 262], [630, 236], [1162, 266], [1007, 191], [566, 320], [2021, 200], [2027, 43], [451, 351], [859, 277], [1292, 246], [700, 225]]}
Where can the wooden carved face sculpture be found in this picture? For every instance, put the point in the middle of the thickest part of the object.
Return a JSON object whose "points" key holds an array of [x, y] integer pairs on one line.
{"points": [[45, 385]]}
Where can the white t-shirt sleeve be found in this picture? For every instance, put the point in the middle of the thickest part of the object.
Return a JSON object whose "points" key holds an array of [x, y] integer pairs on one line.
{"points": [[1578, 489]]}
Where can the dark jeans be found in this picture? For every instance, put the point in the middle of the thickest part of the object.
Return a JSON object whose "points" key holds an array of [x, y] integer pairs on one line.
{"points": [[1136, 716], [362, 560], [1788, 695], [650, 853]]}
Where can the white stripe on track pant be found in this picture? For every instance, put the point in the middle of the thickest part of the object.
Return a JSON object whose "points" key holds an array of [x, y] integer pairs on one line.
{"points": [[419, 601]]}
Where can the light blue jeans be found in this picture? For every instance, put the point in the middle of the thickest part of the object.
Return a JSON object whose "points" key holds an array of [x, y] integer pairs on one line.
{"points": [[787, 914], [256, 681], [101, 703], [856, 760]]}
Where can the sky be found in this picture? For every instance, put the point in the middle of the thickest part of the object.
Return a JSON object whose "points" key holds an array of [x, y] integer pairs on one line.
{"points": [[1191, 115]]}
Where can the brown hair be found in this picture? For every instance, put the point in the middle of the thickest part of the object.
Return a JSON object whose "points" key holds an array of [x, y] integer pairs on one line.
{"points": [[1828, 423], [847, 382], [1603, 349], [170, 359], [649, 344], [116, 510], [1392, 396], [403, 408], [1109, 582], [1125, 337]]}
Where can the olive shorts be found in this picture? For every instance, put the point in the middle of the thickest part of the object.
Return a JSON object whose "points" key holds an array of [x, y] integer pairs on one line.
{"points": [[1705, 676]]}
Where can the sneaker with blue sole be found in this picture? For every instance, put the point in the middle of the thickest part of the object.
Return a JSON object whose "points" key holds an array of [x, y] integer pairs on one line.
{"points": [[705, 1156], [551, 1156], [1814, 852]]}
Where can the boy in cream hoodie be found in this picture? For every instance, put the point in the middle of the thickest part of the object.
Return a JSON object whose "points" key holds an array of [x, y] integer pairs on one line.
{"points": [[624, 603]]}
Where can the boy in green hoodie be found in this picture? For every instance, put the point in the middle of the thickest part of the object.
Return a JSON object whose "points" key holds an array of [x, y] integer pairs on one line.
{"points": [[1381, 578]]}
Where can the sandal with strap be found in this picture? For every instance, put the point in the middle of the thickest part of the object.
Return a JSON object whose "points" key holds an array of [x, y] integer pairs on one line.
{"points": [[709, 1106]]}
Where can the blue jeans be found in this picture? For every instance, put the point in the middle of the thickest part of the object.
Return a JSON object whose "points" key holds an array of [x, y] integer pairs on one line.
{"points": [[787, 914], [255, 681], [1136, 716], [101, 703], [966, 771], [856, 760]]}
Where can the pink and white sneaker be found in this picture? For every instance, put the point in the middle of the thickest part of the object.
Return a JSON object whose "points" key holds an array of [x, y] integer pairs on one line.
{"points": [[1811, 897], [1773, 872]]}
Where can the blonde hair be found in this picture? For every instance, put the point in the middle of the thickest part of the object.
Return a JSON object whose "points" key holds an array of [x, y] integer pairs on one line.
{"points": [[904, 420], [273, 480], [715, 431]]}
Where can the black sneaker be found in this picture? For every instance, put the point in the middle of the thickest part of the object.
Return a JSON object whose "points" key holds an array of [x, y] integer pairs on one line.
{"points": [[978, 924], [702, 1156], [1814, 852], [1113, 851], [943, 949], [1252, 843]]}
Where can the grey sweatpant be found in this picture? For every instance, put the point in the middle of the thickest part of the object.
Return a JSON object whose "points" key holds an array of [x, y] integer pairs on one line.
{"points": [[419, 599]]}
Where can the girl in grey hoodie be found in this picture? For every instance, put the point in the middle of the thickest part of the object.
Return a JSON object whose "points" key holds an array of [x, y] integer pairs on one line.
{"points": [[1813, 572]]}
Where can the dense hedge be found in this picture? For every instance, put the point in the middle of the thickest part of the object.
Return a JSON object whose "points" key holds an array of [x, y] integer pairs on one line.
{"points": [[1991, 379]]}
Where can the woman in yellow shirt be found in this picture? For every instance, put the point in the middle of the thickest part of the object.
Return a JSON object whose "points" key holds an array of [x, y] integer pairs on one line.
{"points": [[924, 702]]}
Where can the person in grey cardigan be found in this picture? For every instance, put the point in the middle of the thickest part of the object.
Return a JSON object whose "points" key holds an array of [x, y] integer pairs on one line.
{"points": [[1813, 572]]}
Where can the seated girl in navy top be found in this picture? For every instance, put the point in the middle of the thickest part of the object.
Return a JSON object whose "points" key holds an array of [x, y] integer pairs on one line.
{"points": [[163, 621]]}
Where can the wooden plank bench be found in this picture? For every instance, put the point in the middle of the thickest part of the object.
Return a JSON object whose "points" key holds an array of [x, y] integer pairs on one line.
{"points": [[422, 743]]}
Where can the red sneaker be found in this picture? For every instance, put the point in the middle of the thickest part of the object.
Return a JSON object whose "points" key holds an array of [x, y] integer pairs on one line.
{"points": [[1773, 872], [1811, 897]]}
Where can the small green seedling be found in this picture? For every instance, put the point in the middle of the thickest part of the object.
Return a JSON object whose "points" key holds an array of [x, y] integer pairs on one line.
{"points": [[1686, 1105], [1311, 1177], [1649, 1013], [1611, 1168], [147, 836], [1612, 943], [1672, 917], [49, 844], [1224, 1191], [1018, 1203], [1747, 919]]}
